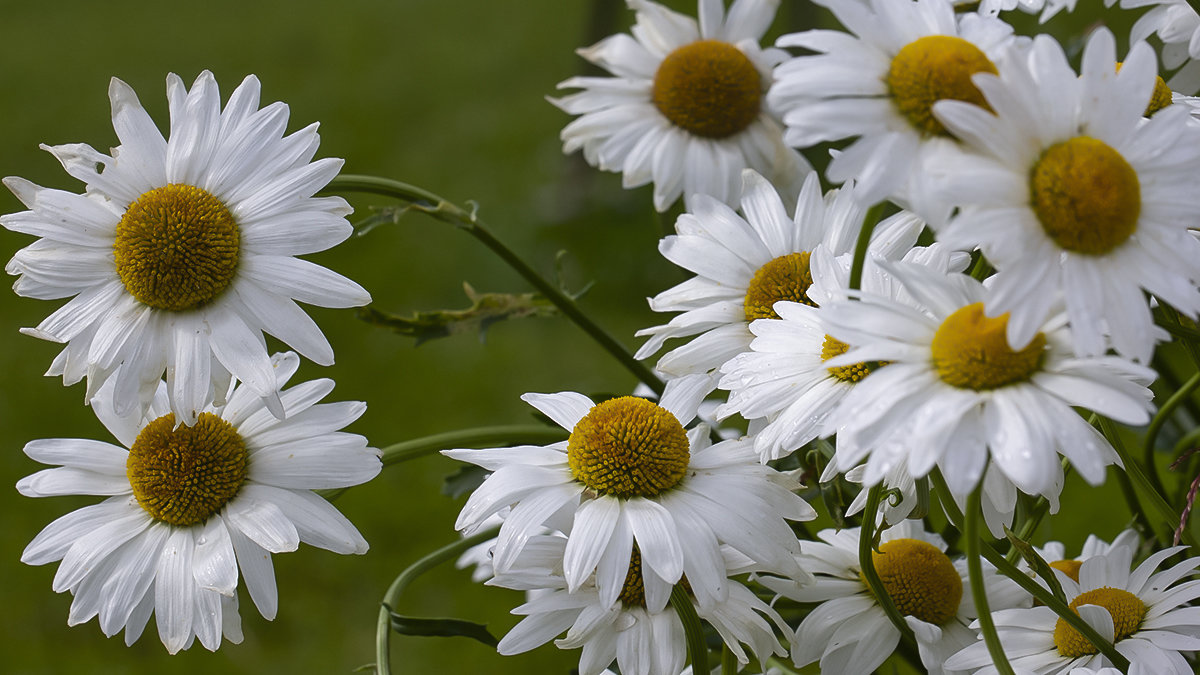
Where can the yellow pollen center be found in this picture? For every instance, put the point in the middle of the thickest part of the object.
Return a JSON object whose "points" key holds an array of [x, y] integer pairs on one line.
{"points": [[1085, 195], [920, 579], [708, 88], [784, 278], [931, 69], [1159, 98], [182, 476], [1127, 611], [852, 373], [1068, 567], [970, 351], [633, 593], [176, 248], [628, 447]]}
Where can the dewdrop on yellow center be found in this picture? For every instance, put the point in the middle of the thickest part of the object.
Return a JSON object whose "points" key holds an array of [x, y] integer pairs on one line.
{"points": [[1127, 612], [628, 447], [784, 278], [920, 579], [931, 69], [970, 351], [708, 88]]}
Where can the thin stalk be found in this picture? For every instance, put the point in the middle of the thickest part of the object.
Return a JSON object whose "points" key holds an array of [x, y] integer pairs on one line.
{"points": [[729, 662], [443, 210], [1032, 587], [1157, 502], [1160, 418], [979, 588], [383, 629], [866, 562], [864, 241], [697, 648]]}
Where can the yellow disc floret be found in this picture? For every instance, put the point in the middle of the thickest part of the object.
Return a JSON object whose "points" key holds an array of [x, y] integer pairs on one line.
{"points": [[970, 351], [1085, 195], [708, 88], [176, 248], [852, 373], [784, 278], [920, 579], [633, 593], [1159, 98], [628, 447], [931, 69], [1068, 567], [182, 476], [1127, 611]]}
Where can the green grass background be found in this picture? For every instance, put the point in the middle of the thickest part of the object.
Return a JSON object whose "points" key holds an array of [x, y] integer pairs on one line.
{"points": [[446, 95]]}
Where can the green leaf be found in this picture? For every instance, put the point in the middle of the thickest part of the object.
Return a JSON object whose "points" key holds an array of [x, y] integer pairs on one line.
{"points": [[463, 481], [431, 627], [485, 310], [1039, 565]]}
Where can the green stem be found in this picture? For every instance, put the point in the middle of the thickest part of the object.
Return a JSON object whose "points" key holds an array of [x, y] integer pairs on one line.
{"points": [[1157, 502], [1160, 418], [729, 662], [866, 562], [864, 241], [697, 648], [978, 587], [1032, 587], [443, 210], [383, 629]]}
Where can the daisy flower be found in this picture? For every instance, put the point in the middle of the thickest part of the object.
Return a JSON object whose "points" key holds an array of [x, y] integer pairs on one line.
{"points": [[685, 108], [630, 475], [1048, 8], [188, 507], [1074, 196], [1055, 553], [746, 263], [877, 84], [1143, 612], [180, 253], [640, 639], [849, 633], [1178, 26], [954, 390], [781, 377]]}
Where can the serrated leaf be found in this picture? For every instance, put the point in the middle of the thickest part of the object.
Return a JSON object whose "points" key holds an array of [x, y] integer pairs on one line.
{"points": [[1039, 565], [439, 627], [463, 481], [485, 310]]}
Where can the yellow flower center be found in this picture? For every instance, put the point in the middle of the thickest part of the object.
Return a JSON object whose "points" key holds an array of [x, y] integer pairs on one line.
{"points": [[176, 248], [970, 351], [633, 593], [182, 476], [784, 278], [920, 579], [1127, 612], [931, 69], [628, 447], [708, 88], [1068, 567], [1085, 195], [852, 373], [1159, 98]]}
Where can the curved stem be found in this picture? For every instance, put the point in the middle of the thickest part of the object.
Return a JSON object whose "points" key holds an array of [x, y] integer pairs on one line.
{"points": [[862, 243], [383, 629], [1140, 481], [978, 587], [437, 207], [515, 434], [866, 562], [1032, 587], [1156, 425], [697, 648]]}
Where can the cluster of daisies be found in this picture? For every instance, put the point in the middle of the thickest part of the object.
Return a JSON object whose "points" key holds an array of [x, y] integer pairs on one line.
{"points": [[982, 293], [177, 258]]}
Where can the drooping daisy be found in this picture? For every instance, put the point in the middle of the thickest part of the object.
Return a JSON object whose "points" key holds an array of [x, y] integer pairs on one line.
{"points": [[878, 82], [954, 390], [1178, 26], [746, 263], [1073, 196], [850, 634], [190, 506], [1143, 612], [686, 109], [631, 475], [781, 377], [640, 639], [179, 254]]}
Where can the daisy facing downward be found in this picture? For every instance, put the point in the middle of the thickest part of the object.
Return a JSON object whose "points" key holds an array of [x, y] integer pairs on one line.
{"points": [[190, 506], [180, 253], [686, 109]]}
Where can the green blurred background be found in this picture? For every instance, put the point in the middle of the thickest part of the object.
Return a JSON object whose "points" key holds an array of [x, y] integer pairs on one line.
{"points": [[446, 95]]}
